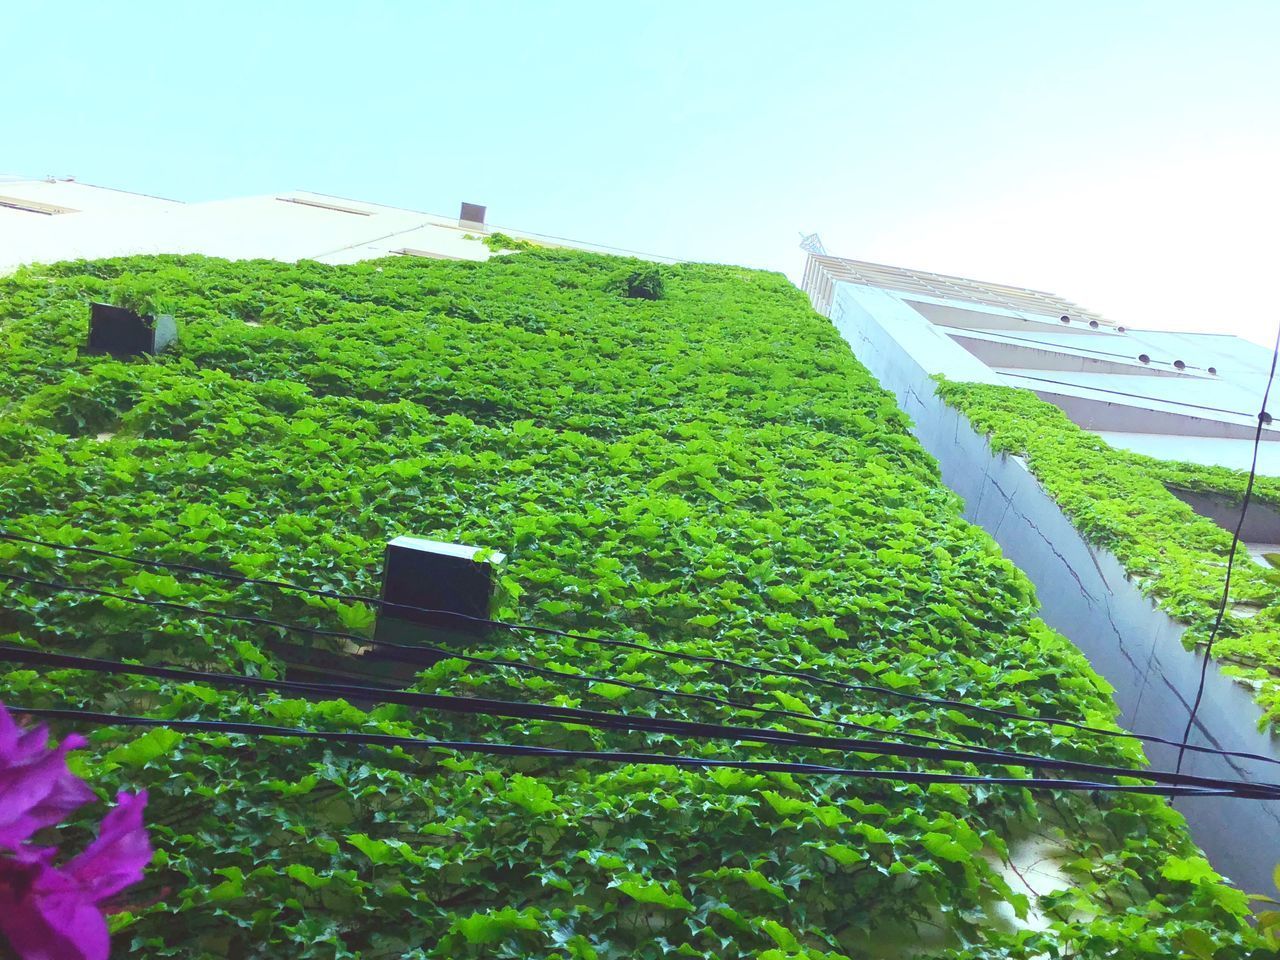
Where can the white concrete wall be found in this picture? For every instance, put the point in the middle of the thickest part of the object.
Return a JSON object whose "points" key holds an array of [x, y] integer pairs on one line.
{"points": [[114, 223], [1084, 593]]}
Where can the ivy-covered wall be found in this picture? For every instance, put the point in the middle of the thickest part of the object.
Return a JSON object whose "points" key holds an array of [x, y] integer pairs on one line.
{"points": [[1121, 500], [710, 471]]}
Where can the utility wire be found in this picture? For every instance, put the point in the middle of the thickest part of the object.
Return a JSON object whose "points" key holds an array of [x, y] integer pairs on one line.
{"points": [[81, 717], [810, 678], [574, 716], [414, 654], [1231, 556]]}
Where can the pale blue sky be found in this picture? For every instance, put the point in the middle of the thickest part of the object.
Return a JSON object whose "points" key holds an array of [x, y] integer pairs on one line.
{"points": [[1123, 154]]}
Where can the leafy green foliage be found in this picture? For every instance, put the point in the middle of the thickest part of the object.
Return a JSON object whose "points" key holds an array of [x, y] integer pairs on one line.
{"points": [[710, 472], [643, 284], [501, 243], [1121, 501]]}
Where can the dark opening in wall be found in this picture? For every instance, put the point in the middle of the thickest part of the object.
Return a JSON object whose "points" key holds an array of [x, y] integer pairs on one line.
{"points": [[1261, 523], [123, 333]]}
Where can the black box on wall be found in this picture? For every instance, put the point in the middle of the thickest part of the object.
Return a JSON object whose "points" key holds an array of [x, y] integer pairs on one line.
{"points": [[123, 333], [430, 575]]}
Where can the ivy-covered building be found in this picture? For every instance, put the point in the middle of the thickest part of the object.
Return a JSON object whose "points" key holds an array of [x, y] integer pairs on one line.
{"points": [[687, 469], [1110, 465]]}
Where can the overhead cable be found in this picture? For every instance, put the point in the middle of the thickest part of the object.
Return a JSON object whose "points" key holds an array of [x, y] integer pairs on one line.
{"points": [[1263, 417], [82, 717], [414, 654], [812, 678], [575, 716]]}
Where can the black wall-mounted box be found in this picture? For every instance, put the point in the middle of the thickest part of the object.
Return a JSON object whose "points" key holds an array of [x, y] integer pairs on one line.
{"points": [[430, 575], [123, 333], [471, 215]]}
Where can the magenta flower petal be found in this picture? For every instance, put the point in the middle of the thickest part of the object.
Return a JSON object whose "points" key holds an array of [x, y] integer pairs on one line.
{"points": [[122, 851], [19, 746], [49, 912], [36, 788], [43, 913]]}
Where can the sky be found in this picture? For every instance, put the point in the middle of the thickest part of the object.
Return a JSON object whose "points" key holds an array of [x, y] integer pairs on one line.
{"points": [[1122, 154]]}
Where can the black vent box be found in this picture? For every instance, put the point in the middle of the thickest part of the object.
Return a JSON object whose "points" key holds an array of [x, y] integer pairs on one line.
{"points": [[471, 215], [430, 575], [123, 333]]}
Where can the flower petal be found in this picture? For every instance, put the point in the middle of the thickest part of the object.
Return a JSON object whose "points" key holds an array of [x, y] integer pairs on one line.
{"points": [[25, 911], [117, 858], [39, 791]]}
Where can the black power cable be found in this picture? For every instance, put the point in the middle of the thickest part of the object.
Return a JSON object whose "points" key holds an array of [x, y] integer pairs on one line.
{"points": [[524, 750], [604, 641], [574, 716], [413, 654], [1263, 417]]}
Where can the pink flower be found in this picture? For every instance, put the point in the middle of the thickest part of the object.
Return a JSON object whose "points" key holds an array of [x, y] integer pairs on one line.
{"points": [[55, 913], [37, 789]]}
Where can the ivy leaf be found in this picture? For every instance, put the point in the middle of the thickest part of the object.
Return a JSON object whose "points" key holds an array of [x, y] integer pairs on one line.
{"points": [[841, 854], [785, 806], [531, 794], [1198, 943], [610, 691], [496, 925], [1188, 870], [152, 745], [356, 616], [379, 851], [655, 894], [941, 845], [230, 888], [783, 937], [306, 875]]}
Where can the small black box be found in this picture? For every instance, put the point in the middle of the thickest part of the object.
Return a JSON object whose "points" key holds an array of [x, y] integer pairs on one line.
{"points": [[123, 333], [435, 576], [471, 215]]}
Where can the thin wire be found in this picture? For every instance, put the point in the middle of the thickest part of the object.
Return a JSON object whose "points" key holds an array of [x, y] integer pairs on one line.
{"points": [[505, 749], [550, 631], [573, 716], [1231, 557], [413, 654]]}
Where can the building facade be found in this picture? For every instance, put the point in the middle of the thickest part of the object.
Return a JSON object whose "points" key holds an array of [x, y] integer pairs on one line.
{"points": [[1189, 398]]}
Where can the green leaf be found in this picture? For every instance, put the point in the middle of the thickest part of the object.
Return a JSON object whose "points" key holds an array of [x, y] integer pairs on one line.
{"points": [[531, 794], [783, 937], [379, 851], [654, 893], [231, 888], [786, 806], [496, 925], [155, 743], [843, 855], [1198, 943], [1188, 870], [610, 691], [306, 875], [945, 847]]}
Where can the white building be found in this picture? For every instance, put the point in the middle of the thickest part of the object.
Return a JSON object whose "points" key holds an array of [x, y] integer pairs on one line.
{"points": [[43, 221], [1178, 396]]}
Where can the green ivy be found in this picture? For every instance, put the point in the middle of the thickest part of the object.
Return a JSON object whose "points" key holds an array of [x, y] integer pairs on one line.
{"points": [[710, 472], [1122, 501]]}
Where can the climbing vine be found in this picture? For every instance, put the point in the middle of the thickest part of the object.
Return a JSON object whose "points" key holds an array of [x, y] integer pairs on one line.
{"points": [[1122, 501], [708, 471]]}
